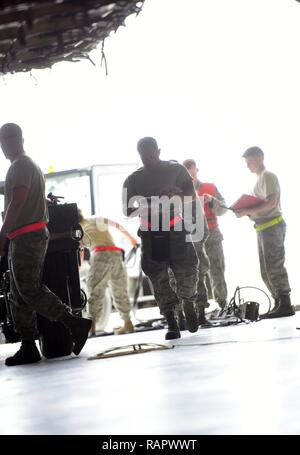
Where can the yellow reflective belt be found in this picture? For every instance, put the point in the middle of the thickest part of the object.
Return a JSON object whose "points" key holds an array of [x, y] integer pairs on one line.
{"points": [[270, 223]]}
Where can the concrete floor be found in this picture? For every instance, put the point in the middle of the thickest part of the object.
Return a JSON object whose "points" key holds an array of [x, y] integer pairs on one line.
{"points": [[232, 380]]}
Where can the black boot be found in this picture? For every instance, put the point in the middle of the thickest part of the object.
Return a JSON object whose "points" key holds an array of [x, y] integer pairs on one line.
{"points": [[283, 309], [28, 353], [79, 328], [173, 329], [275, 308], [276, 305], [190, 316]]}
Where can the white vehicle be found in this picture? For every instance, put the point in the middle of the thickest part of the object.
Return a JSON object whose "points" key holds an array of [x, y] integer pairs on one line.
{"points": [[97, 190]]}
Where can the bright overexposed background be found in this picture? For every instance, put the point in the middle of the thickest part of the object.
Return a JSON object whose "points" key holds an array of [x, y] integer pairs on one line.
{"points": [[206, 78]]}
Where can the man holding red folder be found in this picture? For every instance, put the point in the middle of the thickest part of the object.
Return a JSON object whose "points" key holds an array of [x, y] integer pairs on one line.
{"points": [[270, 228]]}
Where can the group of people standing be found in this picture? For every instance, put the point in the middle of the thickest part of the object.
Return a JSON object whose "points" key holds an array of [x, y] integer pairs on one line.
{"points": [[106, 260], [175, 260], [178, 275]]}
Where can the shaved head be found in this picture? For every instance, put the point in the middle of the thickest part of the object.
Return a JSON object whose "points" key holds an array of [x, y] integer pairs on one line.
{"points": [[10, 130], [149, 151], [11, 140]]}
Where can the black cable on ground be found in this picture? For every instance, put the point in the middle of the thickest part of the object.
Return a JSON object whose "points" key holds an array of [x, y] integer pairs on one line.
{"points": [[233, 309]]}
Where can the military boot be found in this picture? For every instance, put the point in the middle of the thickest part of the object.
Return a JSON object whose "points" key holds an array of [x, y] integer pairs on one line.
{"points": [[190, 316], [127, 328], [266, 315], [283, 309], [276, 305], [173, 329], [79, 328], [28, 353]]}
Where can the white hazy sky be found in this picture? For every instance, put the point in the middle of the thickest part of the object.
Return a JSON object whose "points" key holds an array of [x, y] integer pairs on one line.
{"points": [[206, 78]]}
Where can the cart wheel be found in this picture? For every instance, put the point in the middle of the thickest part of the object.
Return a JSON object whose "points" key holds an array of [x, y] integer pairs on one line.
{"points": [[54, 338]]}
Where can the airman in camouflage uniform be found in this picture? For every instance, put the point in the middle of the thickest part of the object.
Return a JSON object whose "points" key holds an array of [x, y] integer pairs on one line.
{"points": [[164, 250], [106, 268], [270, 228], [25, 220]]}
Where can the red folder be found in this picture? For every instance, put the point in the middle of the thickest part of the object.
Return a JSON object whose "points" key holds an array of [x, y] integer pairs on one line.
{"points": [[246, 201]]}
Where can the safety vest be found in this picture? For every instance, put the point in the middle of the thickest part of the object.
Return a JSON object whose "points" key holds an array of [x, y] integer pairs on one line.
{"points": [[210, 216]]}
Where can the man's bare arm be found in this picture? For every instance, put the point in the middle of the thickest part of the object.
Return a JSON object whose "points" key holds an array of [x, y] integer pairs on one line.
{"points": [[13, 211]]}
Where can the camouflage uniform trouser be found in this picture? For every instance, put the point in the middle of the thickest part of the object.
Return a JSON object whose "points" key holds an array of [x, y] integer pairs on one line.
{"points": [[28, 295], [182, 263], [214, 251], [203, 271], [107, 268], [271, 258], [203, 268]]}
